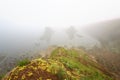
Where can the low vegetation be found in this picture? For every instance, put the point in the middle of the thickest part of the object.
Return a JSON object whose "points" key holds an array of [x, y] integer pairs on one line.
{"points": [[23, 62], [62, 64], [1, 76]]}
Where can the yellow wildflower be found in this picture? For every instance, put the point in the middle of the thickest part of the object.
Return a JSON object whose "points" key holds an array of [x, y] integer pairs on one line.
{"points": [[30, 74]]}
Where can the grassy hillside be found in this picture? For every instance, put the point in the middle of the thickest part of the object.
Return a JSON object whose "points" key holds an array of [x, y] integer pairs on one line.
{"points": [[62, 64]]}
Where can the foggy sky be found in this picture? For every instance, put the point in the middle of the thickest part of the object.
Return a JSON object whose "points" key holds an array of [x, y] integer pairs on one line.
{"points": [[22, 22], [56, 13]]}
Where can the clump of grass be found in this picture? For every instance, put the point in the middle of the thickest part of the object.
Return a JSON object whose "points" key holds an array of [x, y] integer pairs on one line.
{"points": [[94, 77], [61, 74], [23, 62], [2, 76], [71, 64], [55, 53], [72, 53]]}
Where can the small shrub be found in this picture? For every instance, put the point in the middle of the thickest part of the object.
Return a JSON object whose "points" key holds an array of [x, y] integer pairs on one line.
{"points": [[23, 62]]}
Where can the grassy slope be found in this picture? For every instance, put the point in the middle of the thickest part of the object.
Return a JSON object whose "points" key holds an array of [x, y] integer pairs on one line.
{"points": [[63, 64]]}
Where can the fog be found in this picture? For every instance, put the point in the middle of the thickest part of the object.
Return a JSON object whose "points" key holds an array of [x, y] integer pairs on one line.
{"points": [[18, 39], [27, 26]]}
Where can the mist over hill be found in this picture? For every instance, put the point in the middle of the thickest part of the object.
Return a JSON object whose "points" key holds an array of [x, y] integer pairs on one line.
{"points": [[32, 29], [19, 40], [107, 32], [100, 40]]}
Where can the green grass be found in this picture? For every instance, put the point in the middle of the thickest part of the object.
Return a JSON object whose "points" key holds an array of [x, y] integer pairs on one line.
{"points": [[61, 74], [96, 76], [71, 64], [23, 62], [70, 59], [1, 76]]}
